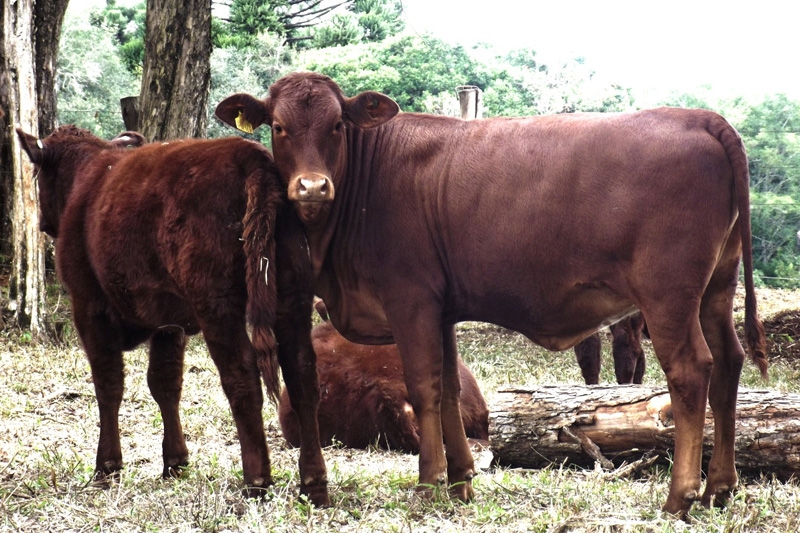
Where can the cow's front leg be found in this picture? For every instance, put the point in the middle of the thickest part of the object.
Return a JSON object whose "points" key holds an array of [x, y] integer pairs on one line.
{"points": [[419, 340], [460, 464]]}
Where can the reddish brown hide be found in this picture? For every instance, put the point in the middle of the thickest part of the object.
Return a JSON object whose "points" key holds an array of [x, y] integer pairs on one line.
{"points": [[416, 222], [168, 240], [626, 349], [364, 400]]}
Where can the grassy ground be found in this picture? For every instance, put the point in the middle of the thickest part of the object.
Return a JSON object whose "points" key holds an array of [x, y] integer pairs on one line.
{"points": [[49, 429]]}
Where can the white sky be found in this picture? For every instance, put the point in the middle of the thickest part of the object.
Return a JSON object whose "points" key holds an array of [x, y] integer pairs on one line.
{"points": [[735, 46]]}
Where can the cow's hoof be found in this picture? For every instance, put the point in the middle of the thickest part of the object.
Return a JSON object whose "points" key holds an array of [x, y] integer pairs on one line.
{"points": [[174, 471], [105, 476], [679, 507], [317, 494], [718, 497], [257, 488], [462, 491]]}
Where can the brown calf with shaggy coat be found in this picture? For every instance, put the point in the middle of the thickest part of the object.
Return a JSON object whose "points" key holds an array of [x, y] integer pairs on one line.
{"points": [[172, 239]]}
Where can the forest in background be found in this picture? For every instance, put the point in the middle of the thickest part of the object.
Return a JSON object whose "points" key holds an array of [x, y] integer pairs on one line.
{"points": [[362, 44]]}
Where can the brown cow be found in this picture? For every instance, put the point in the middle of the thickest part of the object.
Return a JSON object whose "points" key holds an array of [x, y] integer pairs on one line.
{"points": [[168, 240], [421, 221], [626, 348], [363, 399]]}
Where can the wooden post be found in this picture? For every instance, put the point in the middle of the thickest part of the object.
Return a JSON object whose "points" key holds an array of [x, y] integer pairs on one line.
{"points": [[130, 112], [469, 96], [611, 424]]}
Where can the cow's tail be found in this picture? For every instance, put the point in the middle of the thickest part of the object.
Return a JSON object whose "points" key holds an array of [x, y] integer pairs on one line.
{"points": [[264, 200], [753, 328]]}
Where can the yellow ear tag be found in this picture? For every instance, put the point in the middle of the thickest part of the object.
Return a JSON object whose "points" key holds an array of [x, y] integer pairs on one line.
{"points": [[242, 124]]}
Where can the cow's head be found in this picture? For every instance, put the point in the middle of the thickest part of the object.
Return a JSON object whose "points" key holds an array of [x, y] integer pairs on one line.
{"points": [[56, 159], [309, 116]]}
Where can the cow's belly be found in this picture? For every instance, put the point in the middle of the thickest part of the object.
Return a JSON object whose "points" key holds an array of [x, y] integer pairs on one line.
{"points": [[554, 318]]}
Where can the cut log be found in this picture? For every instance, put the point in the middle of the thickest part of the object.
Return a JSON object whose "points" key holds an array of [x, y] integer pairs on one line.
{"points": [[614, 424]]}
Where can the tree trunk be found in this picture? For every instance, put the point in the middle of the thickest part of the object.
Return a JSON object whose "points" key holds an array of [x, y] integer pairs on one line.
{"points": [[48, 18], [29, 46], [26, 291], [177, 70], [531, 428]]}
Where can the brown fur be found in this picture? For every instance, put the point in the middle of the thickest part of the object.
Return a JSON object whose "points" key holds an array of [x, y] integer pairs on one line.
{"points": [[165, 241], [416, 222], [364, 400]]}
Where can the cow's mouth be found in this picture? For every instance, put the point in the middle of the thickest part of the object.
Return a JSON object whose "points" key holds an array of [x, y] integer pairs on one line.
{"points": [[310, 211]]}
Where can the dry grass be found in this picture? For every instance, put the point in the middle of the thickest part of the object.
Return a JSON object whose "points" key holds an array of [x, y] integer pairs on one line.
{"points": [[49, 429]]}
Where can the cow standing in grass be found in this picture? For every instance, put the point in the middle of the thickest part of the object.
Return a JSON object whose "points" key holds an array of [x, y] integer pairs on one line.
{"points": [[168, 240], [416, 222]]}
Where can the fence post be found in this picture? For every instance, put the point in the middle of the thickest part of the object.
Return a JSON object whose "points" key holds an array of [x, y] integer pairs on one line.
{"points": [[470, 98]]}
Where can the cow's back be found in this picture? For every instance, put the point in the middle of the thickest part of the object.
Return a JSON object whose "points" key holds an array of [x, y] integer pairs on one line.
{"points": [[148, 222]]}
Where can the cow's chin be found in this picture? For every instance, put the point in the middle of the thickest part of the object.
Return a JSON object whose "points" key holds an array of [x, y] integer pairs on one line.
{"points": [[312, 213]]}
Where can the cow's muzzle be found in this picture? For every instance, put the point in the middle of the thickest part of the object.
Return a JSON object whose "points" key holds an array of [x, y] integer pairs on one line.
{"points": [[311, 187]]}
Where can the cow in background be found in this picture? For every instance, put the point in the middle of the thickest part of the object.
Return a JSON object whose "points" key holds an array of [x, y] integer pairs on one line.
{"points": [[626, 348], [169, 240], [416, 222], [364, 400]]}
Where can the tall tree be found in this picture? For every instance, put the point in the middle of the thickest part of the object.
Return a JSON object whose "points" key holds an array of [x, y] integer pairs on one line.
{"points": [[176, 73], [29, 33]]}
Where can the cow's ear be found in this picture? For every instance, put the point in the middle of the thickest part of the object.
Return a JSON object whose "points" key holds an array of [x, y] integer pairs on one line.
{"points": [[243, 112], [32, 146], [370, 109], [129, 139]]}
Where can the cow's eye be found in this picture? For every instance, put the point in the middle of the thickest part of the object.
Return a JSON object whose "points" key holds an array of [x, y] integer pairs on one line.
{"points": [[277, 129], [338, 127]]}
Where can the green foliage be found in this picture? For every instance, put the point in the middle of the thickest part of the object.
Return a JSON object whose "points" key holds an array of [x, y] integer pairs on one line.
{"points": [[411, 69], [379, 19], [128, 26], [422, 73], [521, 86], [771, 131], [91, 79], [342, 30], [251, 70], [776, 220]]}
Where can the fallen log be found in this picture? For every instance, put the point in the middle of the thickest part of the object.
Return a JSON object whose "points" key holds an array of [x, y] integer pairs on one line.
{"points": [[615, 424]]}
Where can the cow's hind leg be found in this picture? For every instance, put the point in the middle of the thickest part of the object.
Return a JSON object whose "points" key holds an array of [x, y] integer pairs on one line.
{"points": [[587, 352], [102, 341], [298, 366], [165, 379], [296, 355], [716, 316], [460, 464], [686, 361], [233, 355]]}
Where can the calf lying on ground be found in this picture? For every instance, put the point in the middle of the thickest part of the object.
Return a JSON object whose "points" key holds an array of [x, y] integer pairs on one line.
{"points": [[364, 400], [165, 241], [626, 348]]}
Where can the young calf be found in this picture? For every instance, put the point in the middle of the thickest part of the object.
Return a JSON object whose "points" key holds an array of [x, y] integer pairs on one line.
{"points": [[169, 240], [364, 400]]}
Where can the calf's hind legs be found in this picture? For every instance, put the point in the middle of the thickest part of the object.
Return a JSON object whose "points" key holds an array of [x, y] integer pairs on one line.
{"points": [[233, 355], [165, 380]]}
